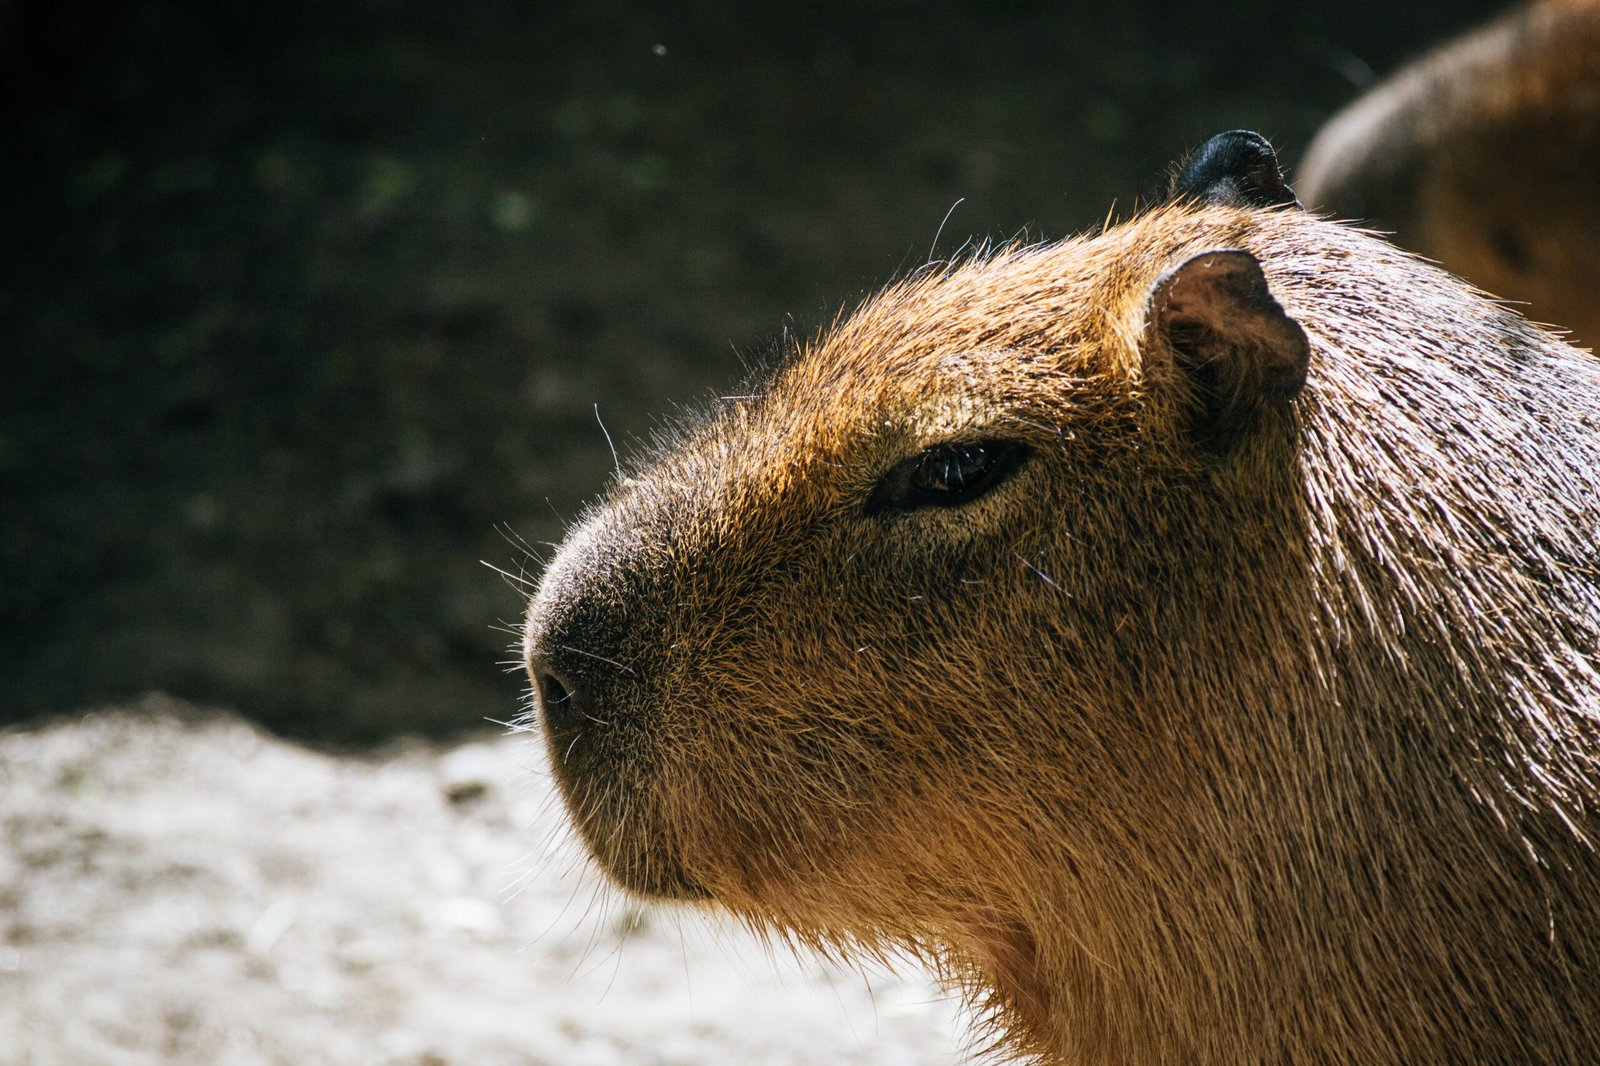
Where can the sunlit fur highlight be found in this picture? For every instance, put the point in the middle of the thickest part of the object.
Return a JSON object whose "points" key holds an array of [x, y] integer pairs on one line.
{"points": [[1288, 754]]}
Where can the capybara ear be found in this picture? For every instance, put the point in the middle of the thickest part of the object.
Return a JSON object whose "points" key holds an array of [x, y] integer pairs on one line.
{"points": [[1215, 319], [1237, 168]]}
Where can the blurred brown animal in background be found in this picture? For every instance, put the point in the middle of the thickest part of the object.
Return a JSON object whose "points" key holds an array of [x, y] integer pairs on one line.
{"points": [[1185, 637], [1485, 156]]}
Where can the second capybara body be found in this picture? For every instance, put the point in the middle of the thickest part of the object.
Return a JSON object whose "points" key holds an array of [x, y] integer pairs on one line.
{"points": [[1485, 156], [1185, 637]]}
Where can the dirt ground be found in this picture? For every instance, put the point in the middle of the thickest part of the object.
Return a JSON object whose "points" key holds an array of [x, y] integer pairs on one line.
{"points": [[307, 309], [178, 886]]}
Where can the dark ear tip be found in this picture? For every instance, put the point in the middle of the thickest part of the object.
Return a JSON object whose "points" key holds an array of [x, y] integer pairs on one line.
{"points": [[1238, 168]]}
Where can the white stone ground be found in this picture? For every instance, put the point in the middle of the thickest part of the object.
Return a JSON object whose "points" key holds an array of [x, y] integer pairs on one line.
{"points": [[178, 887]]}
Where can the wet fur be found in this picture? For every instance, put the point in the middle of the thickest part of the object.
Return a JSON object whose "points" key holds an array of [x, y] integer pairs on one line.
{"points": [[1289, 752]]}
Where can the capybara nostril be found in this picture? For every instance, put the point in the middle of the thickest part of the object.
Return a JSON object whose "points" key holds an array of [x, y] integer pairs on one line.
{"points": [[557, 703]]}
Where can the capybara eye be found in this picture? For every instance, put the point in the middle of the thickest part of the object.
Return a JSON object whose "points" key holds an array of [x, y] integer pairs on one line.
{"points": [[947, 475]]}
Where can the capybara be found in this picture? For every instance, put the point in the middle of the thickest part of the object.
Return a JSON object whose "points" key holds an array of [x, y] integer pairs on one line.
{"points": [[1185, 637], [1485, 156]]}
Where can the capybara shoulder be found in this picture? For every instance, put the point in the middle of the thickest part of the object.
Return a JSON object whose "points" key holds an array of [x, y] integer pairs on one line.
{"points": [[1483, 155], [1185, 637]]}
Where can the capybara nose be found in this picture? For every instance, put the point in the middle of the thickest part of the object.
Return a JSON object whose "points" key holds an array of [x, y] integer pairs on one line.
{"points": [[577, 675], [558, 701], [574, 690]]}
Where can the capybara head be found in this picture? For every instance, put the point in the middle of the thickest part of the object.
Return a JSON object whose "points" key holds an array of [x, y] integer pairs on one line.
{"points": [[1184, 636]]}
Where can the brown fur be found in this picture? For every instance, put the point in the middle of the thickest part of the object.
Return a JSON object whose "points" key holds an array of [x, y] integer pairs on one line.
{"points": [[1485, 156], [1283, 753]]}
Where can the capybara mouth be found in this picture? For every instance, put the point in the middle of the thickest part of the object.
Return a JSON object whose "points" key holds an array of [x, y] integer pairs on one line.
{"points": [[633, 855], [651, 876], [603, 807]]}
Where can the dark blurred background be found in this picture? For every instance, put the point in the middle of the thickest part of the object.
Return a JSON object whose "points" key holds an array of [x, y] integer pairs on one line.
{"points": [[305, 307]]}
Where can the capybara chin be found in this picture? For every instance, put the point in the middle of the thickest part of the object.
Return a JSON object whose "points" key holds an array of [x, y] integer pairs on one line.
{"points": [[1485, 156], [1185, 637]]}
